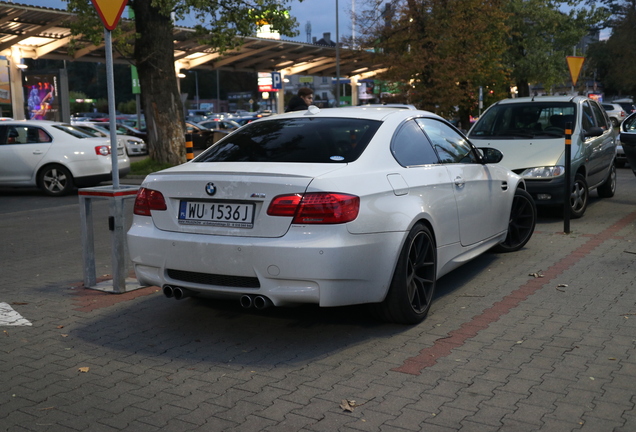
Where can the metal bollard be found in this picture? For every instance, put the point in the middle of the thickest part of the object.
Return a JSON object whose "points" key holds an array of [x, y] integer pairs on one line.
{"points": [[189, 147]]}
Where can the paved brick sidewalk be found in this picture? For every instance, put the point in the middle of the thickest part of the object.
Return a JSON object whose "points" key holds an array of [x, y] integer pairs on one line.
{"points": [[542, 339]]}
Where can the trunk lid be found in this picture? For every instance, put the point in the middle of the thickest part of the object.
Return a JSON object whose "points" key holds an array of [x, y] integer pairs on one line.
{"points": [[229, 198]]}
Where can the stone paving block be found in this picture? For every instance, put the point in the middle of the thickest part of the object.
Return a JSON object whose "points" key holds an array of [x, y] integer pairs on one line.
{"points": [[252, 423], [303, 394], [529, 413], [467, 401], [518, 385], [448, 417], [368, 420], [470, 426], [202, 413], [291, 423], [487, 416], [568, 412], [278, 410], [593, 424], [408, 419], [332, 421], [512, 425], [317, 407]]}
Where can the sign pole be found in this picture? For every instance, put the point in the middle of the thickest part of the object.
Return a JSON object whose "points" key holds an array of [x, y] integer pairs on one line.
{"points": [[110, 84], [568, 185]]}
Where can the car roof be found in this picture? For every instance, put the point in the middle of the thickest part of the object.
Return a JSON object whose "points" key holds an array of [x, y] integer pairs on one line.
{"points": [[380, 112], [542, 99]]}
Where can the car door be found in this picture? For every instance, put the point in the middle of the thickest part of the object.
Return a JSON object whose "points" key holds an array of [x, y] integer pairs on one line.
{"points": [[21, 151], [480, 192], [599, 150], [425, 179]]}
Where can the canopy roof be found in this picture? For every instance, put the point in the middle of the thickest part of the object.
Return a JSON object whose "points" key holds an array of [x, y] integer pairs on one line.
{"points": [[39, 32]]}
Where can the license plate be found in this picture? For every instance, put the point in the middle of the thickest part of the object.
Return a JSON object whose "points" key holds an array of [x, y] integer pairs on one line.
{"points": [[222, 214]]}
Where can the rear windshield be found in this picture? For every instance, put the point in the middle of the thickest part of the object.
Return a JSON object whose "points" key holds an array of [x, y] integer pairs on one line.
{"points": [[72, 130], [525, 120], [311, 140]]}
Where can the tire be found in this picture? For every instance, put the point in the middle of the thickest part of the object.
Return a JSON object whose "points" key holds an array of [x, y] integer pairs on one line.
{"points": [[413, 285], [523, 218], [614, 122], [579, 197], [608, 188], [55, 180]]}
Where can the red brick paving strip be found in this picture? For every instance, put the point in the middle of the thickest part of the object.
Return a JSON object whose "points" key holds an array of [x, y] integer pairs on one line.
{"points": [[87, 300], [442, 347]]}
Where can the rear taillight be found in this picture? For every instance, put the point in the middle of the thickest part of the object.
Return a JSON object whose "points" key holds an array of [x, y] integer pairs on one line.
{"points": [[147, 200], [102, 150], [316, 207]]}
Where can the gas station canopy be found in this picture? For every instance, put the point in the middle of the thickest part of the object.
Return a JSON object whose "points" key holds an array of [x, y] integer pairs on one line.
{"points": [[40, 32]]}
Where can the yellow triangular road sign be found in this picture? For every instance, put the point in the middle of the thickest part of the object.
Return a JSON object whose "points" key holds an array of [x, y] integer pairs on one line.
{"points": [[110, 11], [575, 64]]}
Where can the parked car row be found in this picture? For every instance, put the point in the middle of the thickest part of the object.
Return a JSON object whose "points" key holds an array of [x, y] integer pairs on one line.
{"points": [[55, 157]]}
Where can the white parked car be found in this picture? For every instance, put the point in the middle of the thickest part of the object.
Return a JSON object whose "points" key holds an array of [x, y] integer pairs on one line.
{"points": [[615, 112], [55, 157], [331, 207], [134, 146], [530, 132]]}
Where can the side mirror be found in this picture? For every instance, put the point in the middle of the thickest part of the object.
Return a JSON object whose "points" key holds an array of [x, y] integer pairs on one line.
{"points": [[490, 155], [594, 132]]}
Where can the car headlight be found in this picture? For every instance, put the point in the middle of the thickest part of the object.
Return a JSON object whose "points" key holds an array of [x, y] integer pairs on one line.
{"points": [[132, 142], [547, 172]]}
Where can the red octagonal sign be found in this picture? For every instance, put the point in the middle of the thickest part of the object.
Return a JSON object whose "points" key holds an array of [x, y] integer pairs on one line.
{"points": [[110, 11]]}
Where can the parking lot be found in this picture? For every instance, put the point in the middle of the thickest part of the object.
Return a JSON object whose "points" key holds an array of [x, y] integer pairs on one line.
{"points": [[541, 339]]}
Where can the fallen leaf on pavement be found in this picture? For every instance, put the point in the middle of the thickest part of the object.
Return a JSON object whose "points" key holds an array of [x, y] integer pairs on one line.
{"points": [[84, 369], [346, 405]]}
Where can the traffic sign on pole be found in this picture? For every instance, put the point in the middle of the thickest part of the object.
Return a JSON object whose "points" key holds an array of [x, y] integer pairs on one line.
{"points": [[575, 64], [110, 11]]}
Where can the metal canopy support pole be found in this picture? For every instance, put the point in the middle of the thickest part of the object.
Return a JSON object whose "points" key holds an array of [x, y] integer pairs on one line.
{"points": [[337, 60]]}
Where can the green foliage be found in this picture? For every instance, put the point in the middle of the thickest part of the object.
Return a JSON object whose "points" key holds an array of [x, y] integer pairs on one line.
{"points": [[542, 35], [615, 59], [147, 166], [129, 107]]}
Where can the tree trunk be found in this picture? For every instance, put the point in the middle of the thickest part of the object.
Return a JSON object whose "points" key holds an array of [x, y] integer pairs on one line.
{"points": [[161, 102], [523, 88]]}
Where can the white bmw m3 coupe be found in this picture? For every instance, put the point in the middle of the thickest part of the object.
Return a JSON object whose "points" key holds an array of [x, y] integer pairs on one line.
{"points": [[328, 206]]}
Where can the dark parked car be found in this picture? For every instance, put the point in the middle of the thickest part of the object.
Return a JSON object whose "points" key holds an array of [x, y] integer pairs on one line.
{"points": [[202, 137], [627, 148]]}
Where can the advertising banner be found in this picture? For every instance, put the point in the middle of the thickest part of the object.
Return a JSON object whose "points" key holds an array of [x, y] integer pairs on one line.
{"points": [[42, 96]]}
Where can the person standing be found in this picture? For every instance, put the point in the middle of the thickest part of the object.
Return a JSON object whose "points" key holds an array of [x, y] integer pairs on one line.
{"points": [[301, 101]]}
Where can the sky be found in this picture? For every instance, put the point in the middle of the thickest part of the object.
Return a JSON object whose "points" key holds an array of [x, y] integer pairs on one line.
{"points": [[320, 13]]}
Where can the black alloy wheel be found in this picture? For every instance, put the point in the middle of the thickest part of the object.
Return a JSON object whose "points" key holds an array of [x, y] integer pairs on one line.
{"points": [[523, 218], [413, 285]]}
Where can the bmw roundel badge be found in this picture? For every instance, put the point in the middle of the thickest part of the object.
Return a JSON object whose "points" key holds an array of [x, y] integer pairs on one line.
{"points": [[210, 189]]}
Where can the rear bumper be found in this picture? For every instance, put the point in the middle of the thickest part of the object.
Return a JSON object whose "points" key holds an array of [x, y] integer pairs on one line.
{"points": [[323, 265]]}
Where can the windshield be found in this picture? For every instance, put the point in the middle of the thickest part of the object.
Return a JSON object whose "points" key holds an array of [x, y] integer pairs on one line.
{"points": [[525, 120], [314, 140]]}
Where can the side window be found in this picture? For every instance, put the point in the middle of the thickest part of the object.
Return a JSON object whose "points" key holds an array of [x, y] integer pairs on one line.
{"points": [[588, 117], [411, 148], [451, 147], [601, 116]]}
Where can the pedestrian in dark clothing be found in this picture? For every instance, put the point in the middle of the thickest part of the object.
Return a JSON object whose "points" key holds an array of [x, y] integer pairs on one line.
{"points": [[301, 101]]}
